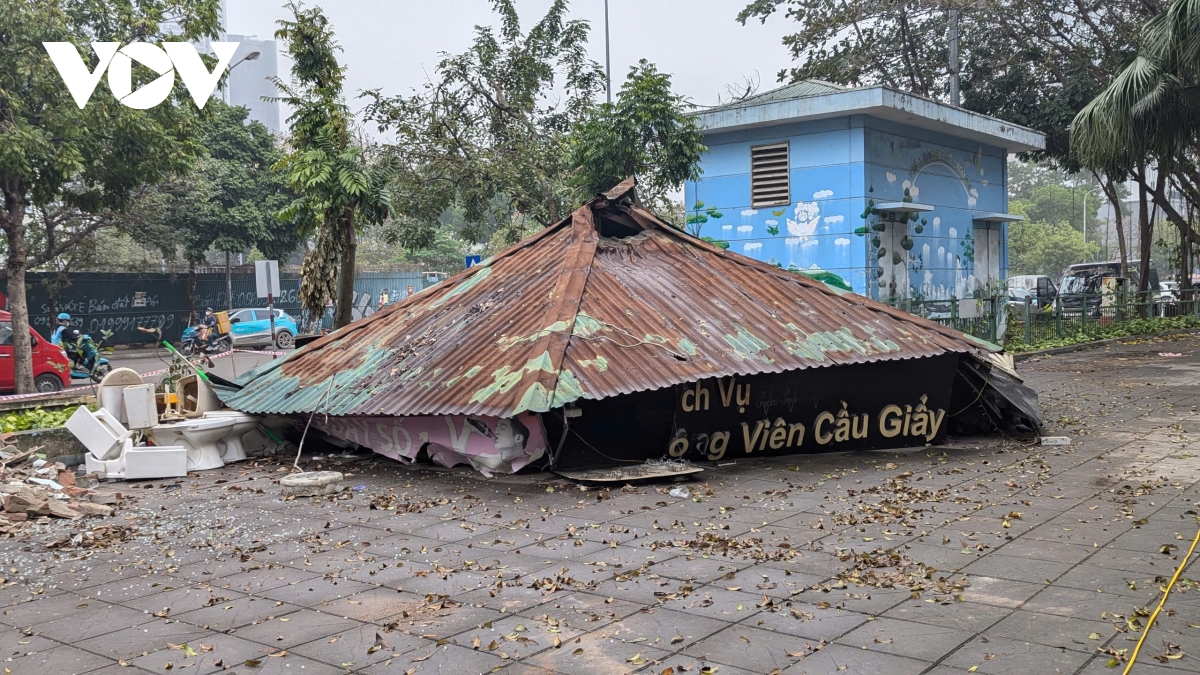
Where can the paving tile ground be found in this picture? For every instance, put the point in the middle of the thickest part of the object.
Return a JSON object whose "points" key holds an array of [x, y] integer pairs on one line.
{"points": [[993, 555]]}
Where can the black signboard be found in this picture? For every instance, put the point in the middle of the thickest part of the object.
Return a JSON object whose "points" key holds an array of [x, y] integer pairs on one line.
{"points": [[847, 407]]}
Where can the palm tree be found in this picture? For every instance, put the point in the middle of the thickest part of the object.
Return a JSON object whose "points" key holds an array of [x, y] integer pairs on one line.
{"points": [[1149, 115]]}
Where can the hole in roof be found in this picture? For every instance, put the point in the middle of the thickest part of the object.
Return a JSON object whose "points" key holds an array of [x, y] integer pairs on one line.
{"points": [[616, 225]]}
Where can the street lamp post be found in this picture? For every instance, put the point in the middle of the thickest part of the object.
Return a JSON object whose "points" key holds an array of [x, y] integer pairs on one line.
{"points": [[607, 55], [252, 56]]}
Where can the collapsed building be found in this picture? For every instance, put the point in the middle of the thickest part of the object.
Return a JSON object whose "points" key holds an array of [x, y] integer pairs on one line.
{"points": [[613, 337]]}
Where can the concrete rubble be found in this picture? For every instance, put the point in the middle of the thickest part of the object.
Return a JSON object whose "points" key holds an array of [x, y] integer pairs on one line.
{"points": [[34, 490]]}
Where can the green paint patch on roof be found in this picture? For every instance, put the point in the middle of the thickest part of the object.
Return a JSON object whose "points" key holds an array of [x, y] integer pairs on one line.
{"points": [[502, 381], [508, 341], [656, 339], [465, 285], [600, 363], [541, 362], [568, 389], [687, 346], [586, 326], [471, 372], [746, 345], [816, 345], [535, 399]]}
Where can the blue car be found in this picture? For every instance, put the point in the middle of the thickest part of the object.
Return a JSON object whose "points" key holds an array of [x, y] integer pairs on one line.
{"points": [[252, 328]]}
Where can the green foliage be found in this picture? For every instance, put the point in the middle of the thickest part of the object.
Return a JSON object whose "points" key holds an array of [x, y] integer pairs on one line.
{"points": [[227, 201], [35, 418], [1130, 328], [644, 134], [92, 159], [337, 188], [719, 243], [900, 44], [488, 133], [1046, 248]]}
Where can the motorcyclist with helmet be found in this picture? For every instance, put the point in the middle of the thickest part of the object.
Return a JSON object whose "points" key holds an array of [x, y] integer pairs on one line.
{"points": [[80, 349], [64, 324], [207, 330]]}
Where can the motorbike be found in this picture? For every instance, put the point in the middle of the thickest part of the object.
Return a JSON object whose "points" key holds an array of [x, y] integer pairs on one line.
{"points": [[86, 362], [192, 344]]}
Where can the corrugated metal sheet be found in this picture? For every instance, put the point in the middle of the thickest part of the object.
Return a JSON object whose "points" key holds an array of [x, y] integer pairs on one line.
{"points": [[610, 301], [787, 92]]}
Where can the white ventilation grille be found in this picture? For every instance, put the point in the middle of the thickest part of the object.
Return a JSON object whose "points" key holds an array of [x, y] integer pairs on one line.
{"points": [[769, 181]]}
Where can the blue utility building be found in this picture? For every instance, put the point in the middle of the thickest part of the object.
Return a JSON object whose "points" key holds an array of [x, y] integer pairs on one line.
{"points": [[890, 194]]}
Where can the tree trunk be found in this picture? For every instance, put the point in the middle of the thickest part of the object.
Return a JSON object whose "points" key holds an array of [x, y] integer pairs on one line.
{"points": [[1109, 185], [228, 283], [1145, 232], [345, 297], [14, 228], [191, 283]]}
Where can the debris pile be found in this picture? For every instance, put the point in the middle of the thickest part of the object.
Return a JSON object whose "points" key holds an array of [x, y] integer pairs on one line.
{"points": [[33, 489]]}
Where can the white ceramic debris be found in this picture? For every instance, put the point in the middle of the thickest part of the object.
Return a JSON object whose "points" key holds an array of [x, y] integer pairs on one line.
{"points": [[155, 461], [140, 407], [1056, 440], [233, 450], [141, 462], [100, 432], [109, 392], [199, 436]]}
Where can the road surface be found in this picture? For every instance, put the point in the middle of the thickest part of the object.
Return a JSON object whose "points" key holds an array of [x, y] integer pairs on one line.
{"points": [[227, 367]]}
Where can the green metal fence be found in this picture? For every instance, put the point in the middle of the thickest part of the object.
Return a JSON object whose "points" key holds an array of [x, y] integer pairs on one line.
{"points": [[975, 316], [1095, 315], [1068, 317]]}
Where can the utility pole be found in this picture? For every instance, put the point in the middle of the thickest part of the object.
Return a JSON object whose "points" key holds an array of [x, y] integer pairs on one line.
{"points": [[954, 95], [607, 54]]}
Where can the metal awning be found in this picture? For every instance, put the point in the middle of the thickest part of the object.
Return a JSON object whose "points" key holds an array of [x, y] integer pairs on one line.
{"points": [[903, 207], [995, 217]]}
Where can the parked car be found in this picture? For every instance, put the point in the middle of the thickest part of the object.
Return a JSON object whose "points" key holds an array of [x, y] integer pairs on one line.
{"points": [[251, 327], [1039, 286], [1016, 299], [51, 369]]}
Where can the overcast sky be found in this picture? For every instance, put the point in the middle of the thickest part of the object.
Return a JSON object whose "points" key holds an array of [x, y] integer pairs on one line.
{"points": [[392, 44]]}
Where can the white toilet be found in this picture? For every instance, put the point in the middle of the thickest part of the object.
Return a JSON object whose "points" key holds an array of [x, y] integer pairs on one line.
{"points": [[233, 450], [199, 436]]}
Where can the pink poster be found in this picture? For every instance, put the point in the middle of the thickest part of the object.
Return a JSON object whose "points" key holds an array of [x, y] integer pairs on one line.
{"points": [[490, 444]]}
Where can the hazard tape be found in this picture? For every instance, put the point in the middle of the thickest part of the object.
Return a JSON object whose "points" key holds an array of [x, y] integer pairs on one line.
{"points": [[15, 397]]}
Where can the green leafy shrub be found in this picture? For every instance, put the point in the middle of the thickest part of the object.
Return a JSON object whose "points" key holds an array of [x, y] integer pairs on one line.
{"points": [[35, 418], [1129, 328]]}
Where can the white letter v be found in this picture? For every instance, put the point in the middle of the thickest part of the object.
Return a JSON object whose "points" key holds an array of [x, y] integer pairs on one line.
{"points": [[74, 73], [199, 81]]}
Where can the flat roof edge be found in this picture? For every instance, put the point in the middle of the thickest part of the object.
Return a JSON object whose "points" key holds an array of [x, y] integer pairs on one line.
{"points": [[881, 102]]}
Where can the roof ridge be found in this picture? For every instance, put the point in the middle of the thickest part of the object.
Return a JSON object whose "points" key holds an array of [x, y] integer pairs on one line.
{"points": [[540, 374]]}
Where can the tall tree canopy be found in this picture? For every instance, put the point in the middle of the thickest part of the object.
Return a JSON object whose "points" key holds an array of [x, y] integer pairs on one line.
{"points": [[488, 131], [644, 134], [1149, 115], [337, 186], [93, 158]]}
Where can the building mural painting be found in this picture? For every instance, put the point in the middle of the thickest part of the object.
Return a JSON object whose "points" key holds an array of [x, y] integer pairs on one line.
{"points": [[941, 181]]}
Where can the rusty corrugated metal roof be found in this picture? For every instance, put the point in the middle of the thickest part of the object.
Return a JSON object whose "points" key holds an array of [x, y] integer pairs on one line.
{"points": [[610, 301]]}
